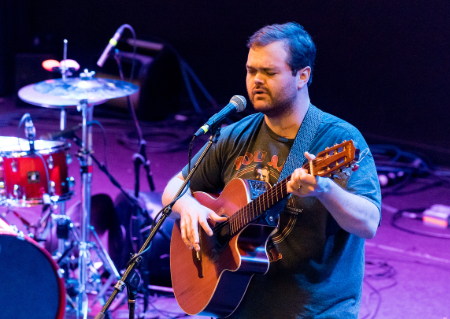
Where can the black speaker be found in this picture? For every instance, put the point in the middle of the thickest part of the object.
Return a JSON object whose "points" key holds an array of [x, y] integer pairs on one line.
{"points": [[158, 75]]}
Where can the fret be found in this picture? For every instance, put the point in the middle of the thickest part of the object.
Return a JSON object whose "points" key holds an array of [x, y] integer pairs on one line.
{"points": [[239, 217], [264, 201]]}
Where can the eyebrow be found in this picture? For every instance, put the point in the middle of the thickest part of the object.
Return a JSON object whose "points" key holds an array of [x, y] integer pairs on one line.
{"points": [[264, 69]]}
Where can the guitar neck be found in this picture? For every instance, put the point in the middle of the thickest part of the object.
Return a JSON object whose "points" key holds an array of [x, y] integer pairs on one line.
{"points": [[258, 206], [326, 162]]}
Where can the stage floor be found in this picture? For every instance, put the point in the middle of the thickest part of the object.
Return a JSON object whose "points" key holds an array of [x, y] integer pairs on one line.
{"points": [[407, 275]]}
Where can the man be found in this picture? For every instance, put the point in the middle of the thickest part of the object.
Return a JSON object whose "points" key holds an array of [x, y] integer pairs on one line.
{"points": [[262, 173], [318, 267]]}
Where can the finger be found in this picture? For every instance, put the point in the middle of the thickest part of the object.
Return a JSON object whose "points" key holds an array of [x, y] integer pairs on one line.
{"points": [[204, 223], [193, 234], [212, 215], [184, 232]]}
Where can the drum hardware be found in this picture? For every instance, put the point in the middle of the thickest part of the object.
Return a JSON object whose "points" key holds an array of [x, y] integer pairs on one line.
{"points": [[84, 92]]}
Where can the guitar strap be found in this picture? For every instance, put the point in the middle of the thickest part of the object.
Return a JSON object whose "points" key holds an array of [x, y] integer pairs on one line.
{"points": [[296, 157]]}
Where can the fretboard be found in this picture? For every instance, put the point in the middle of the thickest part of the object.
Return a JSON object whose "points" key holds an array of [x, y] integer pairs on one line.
{"points": [[259, 205]]}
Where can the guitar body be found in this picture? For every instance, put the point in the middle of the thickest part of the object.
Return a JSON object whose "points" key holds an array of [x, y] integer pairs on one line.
{"points": [[213, 282]]}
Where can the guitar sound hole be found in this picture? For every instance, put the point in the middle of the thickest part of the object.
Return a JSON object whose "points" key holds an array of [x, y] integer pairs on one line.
{"points": [[222, 235]]}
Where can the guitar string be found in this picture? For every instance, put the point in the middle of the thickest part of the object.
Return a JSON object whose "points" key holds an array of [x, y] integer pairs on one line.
{"points": [[239, 219], [234, 219]]}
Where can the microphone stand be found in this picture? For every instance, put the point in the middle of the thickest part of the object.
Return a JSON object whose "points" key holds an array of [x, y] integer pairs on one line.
{"points": [[139, 158], [137, 258]]}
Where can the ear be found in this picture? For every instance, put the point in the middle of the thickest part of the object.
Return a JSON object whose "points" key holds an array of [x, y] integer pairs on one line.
{"points": [[303, 77]]}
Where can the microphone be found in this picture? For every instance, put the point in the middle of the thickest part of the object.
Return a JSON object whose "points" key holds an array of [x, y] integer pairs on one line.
{"points": [[65, 133], [237, 104], [112, 43], [30, 133]]}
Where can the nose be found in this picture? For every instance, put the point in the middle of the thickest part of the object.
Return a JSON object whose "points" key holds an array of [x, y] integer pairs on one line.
{"points": [[259, 79]]}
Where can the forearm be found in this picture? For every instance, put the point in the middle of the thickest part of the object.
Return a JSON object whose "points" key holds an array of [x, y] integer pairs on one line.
{"points": [[353, 213]]}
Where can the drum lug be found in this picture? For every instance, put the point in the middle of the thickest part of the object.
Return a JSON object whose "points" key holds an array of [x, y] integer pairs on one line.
{"points": [[70, 183], [51, 191], [16, 191], [68, 159], [14, 166], [60, 273], [20, 235], [50, 162]]}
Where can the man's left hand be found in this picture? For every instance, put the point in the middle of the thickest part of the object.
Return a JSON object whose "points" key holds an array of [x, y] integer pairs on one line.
{"points": [[304, 184]]}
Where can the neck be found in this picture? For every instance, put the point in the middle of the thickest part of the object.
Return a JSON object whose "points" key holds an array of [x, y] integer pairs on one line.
{"points": [[288, 123]]}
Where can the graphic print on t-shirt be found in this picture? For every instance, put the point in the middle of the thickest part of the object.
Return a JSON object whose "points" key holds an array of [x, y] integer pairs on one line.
{"points": [[258, 166]]}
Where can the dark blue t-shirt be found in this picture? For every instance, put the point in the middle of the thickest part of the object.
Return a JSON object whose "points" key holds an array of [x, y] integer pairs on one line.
{"points": [[317, 268]]}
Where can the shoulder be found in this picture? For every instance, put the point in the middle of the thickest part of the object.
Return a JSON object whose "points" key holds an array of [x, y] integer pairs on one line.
{"points": [[334, 123], [243, 128], [336, 130]]}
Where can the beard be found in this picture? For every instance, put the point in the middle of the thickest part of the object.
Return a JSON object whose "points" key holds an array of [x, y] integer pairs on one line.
{"points": [[278, 105]]}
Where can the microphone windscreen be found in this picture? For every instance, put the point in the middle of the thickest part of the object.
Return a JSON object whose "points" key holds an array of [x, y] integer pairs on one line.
{"points": [[239, 101]]}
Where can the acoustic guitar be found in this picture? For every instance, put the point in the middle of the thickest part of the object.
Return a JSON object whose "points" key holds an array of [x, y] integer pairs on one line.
{"points": [[213, 281]]}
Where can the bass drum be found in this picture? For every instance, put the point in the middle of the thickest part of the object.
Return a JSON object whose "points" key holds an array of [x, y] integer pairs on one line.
{"points": [[30, 285]]}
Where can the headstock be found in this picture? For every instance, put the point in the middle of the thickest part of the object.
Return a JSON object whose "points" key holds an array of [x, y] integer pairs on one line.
{"points": [[334, 159]]}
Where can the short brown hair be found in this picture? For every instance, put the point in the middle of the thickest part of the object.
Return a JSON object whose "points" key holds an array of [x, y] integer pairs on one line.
{"points": [[298, 44]]}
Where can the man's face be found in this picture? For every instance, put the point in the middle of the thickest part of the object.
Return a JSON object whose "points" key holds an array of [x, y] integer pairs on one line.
{"points": [[265, 175], [270, 84]]}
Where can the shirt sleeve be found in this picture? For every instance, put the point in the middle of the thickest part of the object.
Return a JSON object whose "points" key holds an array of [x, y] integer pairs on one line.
{"points": [[363, 182]]}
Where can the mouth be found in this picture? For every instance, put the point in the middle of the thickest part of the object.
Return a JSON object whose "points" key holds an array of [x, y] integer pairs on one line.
{"points": [[258, 92]]}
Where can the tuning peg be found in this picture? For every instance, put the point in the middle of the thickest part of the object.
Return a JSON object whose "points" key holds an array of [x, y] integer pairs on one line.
{"points": [[355, 167]]}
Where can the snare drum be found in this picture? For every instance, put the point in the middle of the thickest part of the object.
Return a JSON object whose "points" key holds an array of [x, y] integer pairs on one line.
{"points": [[25, 175], [30, 285]]}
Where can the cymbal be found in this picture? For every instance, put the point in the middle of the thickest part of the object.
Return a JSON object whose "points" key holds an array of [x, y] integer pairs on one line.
{"points": [[69, 92]]}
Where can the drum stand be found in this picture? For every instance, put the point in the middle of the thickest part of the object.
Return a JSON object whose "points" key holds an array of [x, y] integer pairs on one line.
{"points": [[82, 237], [62, 204]]}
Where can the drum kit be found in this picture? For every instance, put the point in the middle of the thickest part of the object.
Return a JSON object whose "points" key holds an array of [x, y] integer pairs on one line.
{"points": [[34, 173]]}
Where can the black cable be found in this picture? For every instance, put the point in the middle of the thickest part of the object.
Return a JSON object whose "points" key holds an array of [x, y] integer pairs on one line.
{"points": [[384, 271], [105, 159], [155, 220]]}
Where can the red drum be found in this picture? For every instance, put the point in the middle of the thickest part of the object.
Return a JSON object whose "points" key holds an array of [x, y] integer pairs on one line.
{"points": [[30, 285], [25, 175]]}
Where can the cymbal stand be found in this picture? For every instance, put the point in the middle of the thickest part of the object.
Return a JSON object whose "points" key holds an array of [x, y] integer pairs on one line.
{"points": [[62, 204], [84, 245], [62, 126], [86, 179]]}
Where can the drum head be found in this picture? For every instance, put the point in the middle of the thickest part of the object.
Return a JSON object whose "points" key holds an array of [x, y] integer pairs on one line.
{"points": [[15, 146], [30, 287]]}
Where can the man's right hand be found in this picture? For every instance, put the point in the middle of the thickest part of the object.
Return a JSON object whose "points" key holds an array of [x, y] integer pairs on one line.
{"points": [[191, 212]]}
